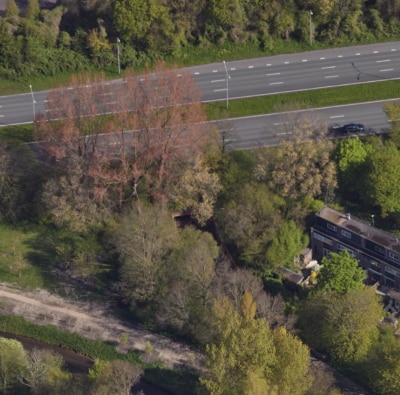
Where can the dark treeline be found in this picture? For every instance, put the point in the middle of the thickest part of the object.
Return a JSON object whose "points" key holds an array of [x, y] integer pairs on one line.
{"points": [[77, 35]]}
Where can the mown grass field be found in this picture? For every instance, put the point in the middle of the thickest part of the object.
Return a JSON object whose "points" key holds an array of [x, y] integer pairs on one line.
{"points": [[17, 258]]}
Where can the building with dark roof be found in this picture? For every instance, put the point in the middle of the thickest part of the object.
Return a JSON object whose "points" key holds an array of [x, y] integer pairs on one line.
{"points": [[377, 251]]}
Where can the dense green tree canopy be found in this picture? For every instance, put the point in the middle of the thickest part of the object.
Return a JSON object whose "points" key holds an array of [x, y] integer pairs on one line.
{"points": [[344, 325], [340, 273], [246, 357], [382, 183], [286, 245], [152, 29], [242, 354], [383, 367], [351, 156]]}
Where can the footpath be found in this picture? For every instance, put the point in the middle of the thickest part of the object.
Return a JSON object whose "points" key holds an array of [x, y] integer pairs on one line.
{"points": [[95, 320]]}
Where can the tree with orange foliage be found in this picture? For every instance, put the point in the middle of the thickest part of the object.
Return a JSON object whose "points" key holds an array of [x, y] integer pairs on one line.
{"points": [[113, 136]]}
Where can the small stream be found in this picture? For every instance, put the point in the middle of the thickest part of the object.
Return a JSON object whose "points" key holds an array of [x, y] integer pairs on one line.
{"points": [[76, 363]]}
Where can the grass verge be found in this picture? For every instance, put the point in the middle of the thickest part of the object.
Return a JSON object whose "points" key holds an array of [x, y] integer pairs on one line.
{"points": [[303, 100]]}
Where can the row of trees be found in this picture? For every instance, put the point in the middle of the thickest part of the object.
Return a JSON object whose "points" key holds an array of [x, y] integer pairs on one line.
{"points": [[42, 372], [78, 34]]}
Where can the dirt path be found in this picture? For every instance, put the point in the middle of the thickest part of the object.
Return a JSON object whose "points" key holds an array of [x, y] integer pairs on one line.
{"points": [[95, 321]]}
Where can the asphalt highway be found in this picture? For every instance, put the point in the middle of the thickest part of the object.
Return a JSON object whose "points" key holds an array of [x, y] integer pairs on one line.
{"points": [[301, 71], [271, 129], [257, 77]]}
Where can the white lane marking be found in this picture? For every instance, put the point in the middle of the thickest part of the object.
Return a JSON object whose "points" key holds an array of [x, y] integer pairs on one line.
{"points": [[376, 52], [383, 61], [358, 54], [268, 75], [323, 58], [331, 76], [212, 81], [219, 90], [233, 68], [278, 123], [275, 83], [387, 70], [393, 50], [268, 64], [305, 60], [286, 62], [340, 56], [251, 67], [279, 134], [142, 79], [179, 75], [70, 88], [215, 71], [336, 116], [328, 67], [1, 116], [197, 73]]}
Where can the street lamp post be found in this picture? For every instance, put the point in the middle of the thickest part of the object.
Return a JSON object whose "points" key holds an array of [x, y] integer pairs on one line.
{"points": [[33, 102], [119, 63], [311, 14], [228, 77]]}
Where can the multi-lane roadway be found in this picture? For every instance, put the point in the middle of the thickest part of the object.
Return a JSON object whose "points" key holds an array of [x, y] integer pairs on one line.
{"points": [[268, 76]]}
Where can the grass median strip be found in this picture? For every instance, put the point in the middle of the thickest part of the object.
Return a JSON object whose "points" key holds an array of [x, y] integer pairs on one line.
{"points": [[306, 99]]}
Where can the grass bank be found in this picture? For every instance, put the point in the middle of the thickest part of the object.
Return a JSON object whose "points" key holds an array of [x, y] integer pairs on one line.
{"points": [[179, 382]]}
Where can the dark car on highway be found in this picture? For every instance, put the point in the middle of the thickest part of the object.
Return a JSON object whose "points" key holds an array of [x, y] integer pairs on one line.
{"points": [[353, 128]]}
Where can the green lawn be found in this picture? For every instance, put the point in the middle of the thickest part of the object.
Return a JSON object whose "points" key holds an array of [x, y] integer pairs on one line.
{"points": [[20, 260]]}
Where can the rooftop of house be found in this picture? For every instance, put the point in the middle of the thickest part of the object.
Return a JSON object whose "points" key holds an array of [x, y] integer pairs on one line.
{"points": [[357, 226]]}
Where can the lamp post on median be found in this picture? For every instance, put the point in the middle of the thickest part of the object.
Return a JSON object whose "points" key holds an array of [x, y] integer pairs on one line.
{"points": [[228, 77], [119, 63], [311, 14], [33, 102]]}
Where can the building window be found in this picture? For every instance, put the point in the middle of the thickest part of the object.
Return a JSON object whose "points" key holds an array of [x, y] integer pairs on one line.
{"points": [[345, 233], [325, 240], [394, 256], [325, 252], [331, 227], [379, 249], [341, 247], [392, 271]]}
